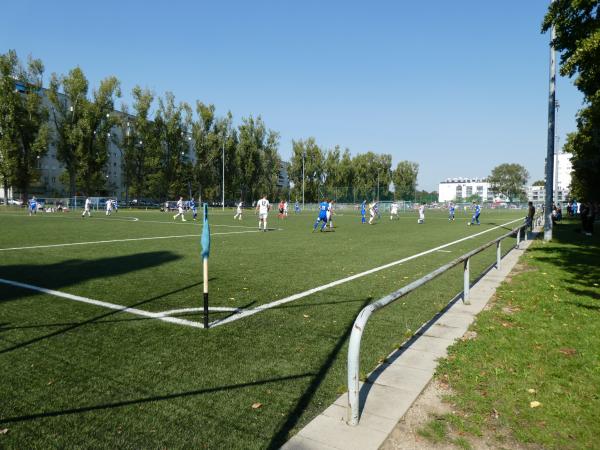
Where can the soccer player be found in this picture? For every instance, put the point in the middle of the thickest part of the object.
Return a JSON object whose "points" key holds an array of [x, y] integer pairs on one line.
{"points": [[372, 212], [180, 210], [238, 212], [421, 213], [263, 206], [285, 208], [323, 209], [192, 204], [297, 207], [32, 206], [394, 211], [330, 214], [280, 208], [476, 212], [108, 207], [363, 212], [451, 212], [86, 207], [115, 205]]}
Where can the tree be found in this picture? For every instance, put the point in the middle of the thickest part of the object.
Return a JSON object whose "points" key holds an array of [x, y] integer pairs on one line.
{"points": [[539, 183], [577, 25], [26, 122], [314, 168], [510, 180], [173, 123], [68, 108], [8, 118], [405, 179], [94, 129], [137, 132]]}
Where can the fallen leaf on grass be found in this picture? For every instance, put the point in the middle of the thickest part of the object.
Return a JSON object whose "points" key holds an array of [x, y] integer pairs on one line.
{"points": [[50, 382], [568, 351], [4, 431], [231, 298], [531, 391], [495, 414], [535, 404], [306, 316], [256, 405], [507, 325], [469, 335]]}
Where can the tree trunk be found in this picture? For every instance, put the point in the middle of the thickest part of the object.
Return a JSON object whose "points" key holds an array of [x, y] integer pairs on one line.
{"points": [[5, 192]]}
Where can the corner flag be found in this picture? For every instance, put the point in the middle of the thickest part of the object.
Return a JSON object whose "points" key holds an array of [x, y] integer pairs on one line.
{"points": [[205, 242]]}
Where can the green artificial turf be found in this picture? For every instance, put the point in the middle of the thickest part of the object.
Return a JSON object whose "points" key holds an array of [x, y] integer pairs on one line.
{"points": [[538, 343], [79, 375]]}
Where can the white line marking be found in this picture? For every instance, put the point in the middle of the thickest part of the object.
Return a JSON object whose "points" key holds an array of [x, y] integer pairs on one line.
{"points": [[294, 297], [121, 308], [210, 308], [123, 240], [445, 251]]}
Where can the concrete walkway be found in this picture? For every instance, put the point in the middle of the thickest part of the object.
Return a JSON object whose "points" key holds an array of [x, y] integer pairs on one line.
{"points": [[394, 385]]}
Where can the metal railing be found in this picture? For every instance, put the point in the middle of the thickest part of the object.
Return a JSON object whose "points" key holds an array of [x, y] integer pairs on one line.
{"points": [[365, 313]]}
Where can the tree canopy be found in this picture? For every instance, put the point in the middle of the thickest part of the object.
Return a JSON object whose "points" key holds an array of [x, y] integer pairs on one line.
{"points": [[510, 180]]}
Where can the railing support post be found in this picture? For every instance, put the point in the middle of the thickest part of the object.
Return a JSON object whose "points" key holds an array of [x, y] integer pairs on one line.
{"points": [[499, 253], [354, 364], [467, 282], [518, 237]]}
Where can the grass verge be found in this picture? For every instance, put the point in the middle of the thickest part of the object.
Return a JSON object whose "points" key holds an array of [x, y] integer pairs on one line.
{"points": [[532, 373]]}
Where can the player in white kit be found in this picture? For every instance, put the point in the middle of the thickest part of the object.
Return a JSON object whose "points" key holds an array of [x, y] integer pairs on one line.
{"points": [[421, 214], [109, 207], [238, 212], [263, 206], [180, 210], [372, 212], [394, 211], [86, 207]]}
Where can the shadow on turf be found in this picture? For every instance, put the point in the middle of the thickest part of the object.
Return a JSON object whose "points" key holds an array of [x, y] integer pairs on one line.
{"points": [[282, 434], [71, 272], [95, 319], [156, 398]]}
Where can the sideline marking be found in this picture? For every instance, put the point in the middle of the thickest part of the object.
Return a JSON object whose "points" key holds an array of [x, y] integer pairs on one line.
{"points": [[121, 308], [291, 298], [123, 240]]}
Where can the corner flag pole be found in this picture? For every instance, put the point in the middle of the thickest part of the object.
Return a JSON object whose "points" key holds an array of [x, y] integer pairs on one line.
{"points": [[205, 241]]}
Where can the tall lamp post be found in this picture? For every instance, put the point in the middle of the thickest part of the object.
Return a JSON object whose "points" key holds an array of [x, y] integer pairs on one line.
{"points": [[549, 185], [223, 173], [303, 156]]}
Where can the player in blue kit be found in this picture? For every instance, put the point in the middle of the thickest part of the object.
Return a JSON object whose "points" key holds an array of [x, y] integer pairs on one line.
{"points": [[32, 206], [476, 212], [323, 209], [363, 211], [451, 212], [192, 205]]}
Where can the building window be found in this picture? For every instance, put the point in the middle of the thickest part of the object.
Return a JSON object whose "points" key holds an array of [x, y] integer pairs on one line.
{"points": [[459, 192], [469, 191], [54, 179]]}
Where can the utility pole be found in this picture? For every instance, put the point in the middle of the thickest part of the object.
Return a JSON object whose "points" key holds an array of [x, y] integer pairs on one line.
{"points": [[223, 179], [303, 156], [549, 185]]}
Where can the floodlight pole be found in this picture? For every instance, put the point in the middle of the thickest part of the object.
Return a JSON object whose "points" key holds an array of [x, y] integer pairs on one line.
{"points": [[549, 185], [303, 156], [223, 180]]}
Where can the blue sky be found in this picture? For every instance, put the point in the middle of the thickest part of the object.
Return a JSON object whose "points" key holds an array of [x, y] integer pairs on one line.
{"points": [[458, 87]]}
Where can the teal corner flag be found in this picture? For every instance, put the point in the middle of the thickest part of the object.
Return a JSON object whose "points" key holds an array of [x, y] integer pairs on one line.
{"points": [[205, 240]]}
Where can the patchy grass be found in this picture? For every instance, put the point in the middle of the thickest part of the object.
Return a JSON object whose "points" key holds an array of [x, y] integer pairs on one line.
{"points": [[533, 371]]}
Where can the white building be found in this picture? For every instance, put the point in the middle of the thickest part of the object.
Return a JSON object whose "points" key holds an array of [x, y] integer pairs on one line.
{"points": [[562, 181], [460, 189]]}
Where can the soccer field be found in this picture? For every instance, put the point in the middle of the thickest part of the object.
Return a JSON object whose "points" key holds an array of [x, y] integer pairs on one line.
{"points": [[79, 370]]}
